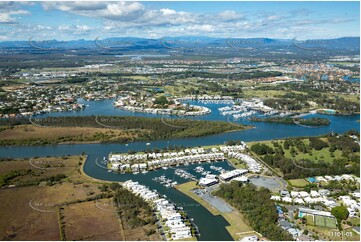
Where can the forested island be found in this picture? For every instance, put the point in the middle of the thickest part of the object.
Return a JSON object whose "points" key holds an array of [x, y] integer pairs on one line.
{"points": [[291, 120], [92, 129]]}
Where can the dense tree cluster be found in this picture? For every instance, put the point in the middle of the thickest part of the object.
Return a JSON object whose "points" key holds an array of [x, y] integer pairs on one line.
{"points": [[317, 143], [11, 178], [256, 206], [317, 91], [290, 120], [341, 188], [303, 168], [133, 210], [233, 142], [286, 104], [262, 149], [162, 100]]}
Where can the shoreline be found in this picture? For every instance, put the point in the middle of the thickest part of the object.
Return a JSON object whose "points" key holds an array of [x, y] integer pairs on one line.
{"points": [[89, 177], [230, 217], [241, 128], [205, 146]]}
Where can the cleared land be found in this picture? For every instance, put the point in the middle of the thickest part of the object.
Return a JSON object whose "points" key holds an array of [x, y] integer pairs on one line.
{"points": [[49, 198], [238, 227], [80, 226], [20, 222], [60, 135], [28, 212]]}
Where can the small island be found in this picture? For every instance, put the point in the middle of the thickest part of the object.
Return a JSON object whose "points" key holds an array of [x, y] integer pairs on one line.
{"points": [[317, 122]]}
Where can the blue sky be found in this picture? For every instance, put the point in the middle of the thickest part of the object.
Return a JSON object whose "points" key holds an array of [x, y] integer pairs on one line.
{"points": [[88, 20]]}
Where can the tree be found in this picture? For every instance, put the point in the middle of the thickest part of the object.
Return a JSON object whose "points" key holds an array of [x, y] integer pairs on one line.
{"points": [[286, 144], [341, 213], [114, 186], [103, 188], [317, 143], [162, 100]]}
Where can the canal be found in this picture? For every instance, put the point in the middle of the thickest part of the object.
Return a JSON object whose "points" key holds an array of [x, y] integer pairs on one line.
{"points": [[211, 227]]}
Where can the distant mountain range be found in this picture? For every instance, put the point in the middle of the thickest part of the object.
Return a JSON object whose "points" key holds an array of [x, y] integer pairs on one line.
{"points": [[187, 42]]}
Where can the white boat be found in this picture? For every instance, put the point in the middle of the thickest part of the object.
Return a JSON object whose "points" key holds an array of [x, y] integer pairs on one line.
{"points": [[147, 144]]}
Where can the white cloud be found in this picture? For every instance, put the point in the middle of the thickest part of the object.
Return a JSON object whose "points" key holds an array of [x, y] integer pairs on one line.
{"points": [[273, 17], [203, 28], [230, 15], [138, 19], [167, 11], [8, 16], [83, 27]]}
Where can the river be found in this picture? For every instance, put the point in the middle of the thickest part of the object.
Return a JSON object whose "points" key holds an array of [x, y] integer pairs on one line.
{"points": [[211, 227]]}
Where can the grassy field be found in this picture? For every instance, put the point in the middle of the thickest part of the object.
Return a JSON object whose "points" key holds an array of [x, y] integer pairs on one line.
{"points": [[309, 220], [64, 134], [237, 164], [31, 212], [238, 228], [20, 222], [250, 93], [355, 221], [314, 155], [90, 227], [298, 182]]}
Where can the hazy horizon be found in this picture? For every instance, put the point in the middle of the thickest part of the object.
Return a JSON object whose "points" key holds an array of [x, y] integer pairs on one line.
{"points": [[153, 20]]}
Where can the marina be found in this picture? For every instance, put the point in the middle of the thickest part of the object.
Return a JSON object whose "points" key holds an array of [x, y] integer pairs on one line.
{"points": [[205, 221], [203, 121]]}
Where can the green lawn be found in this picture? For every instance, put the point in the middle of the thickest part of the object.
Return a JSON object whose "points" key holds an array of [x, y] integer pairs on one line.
{"points": [[309, 219], [298, 182], [314, 155], [330, 223], [262, 93], [355, 221], [237, 164]]}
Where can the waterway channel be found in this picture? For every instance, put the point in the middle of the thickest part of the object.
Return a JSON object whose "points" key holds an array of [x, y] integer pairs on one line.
{"points": [[211, 227]]}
